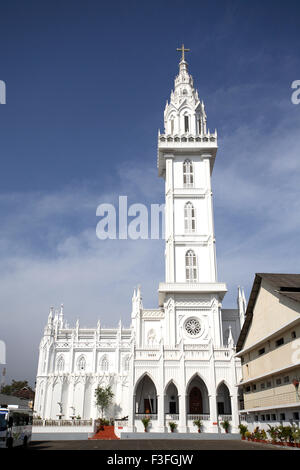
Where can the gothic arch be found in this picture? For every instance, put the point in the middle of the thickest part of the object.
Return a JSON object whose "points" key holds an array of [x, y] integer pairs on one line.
{"points": [[191, 266], [223, 381], [81, 363], [171, 398], [223, 398], [197, 396], [169, 383], [60, 363], [126, 362], [144, 374], [189, 217], [194, 376], [145, 393], [104, 363]]}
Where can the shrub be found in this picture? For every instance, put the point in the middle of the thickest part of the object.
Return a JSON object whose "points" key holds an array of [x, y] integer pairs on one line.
{"points": [[225, 424], [198, 423], [146, 422], [273, 432], [172, 425], [243, 429]]}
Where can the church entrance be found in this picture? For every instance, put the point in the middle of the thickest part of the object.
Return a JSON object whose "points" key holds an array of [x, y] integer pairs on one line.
{"points": [[145, 397], [197, 400], [196, 405]]}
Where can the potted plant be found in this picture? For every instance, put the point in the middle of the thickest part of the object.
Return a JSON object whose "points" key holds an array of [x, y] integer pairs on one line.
{"points": [[146, 422], [172, 425], [198, 423], [296, 436], [243, 429], [248, 435], [225, 425]]}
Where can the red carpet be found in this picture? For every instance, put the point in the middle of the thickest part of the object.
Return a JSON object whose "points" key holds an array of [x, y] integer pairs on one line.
{"points": [[107, 434]]}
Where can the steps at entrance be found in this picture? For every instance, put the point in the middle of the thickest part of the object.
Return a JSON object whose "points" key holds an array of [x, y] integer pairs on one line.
{"points": [[107, 434]]}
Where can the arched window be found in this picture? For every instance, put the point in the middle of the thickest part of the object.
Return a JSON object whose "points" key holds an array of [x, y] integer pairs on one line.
{"points": [[186, 123], [172, 125], [81, 363], [104, 364], [188, 174], [126, 363], [189, 218], [60, 364], [190, 266]]}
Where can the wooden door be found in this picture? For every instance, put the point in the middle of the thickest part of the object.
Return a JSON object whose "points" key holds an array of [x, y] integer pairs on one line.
{"points": [[196, 407]]}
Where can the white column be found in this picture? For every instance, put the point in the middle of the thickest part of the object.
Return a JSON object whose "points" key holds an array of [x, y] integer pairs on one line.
{"points": [[160, 412], [235, 413], [182, 412], [131, 412], [70, 400], [213, 413]]}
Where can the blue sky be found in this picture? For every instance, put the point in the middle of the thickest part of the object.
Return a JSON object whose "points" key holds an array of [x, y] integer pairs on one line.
{"points": [[87, 84]]}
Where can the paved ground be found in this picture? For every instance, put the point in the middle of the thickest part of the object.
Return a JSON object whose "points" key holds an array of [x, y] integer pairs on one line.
{"points": [[149, 445]]}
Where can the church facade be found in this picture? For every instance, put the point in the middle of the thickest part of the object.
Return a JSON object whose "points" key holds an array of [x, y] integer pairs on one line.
{"points": [[176, 362]]}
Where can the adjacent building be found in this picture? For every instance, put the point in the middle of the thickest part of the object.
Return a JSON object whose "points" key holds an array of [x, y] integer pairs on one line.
{"points": [[269, 349]]}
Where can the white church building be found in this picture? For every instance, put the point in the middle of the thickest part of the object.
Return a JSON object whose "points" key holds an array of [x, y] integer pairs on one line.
{"points": [[175, 362]]}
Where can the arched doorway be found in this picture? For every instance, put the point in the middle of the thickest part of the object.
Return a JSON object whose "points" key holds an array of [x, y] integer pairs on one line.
{"points": [[223, 400], [197, 397], [195, 401], [171, 399], [146, 396]]}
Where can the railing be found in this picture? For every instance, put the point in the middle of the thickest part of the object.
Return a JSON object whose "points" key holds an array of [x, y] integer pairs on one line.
{"points": [[172, 417], [201, 354], [201, 138], [205, 417], [152, 354], [62, 422], [222, 353], [146, 415], [225, 417], [271, 400]]}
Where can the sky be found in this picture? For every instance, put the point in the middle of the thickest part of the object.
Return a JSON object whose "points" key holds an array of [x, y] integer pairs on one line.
{"points": [[86, 86]]}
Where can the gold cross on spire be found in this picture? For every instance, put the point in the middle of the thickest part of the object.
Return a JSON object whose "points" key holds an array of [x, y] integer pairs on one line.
{"points": [[183, 50]]}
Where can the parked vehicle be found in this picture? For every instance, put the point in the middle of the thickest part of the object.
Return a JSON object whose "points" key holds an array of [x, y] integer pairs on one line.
{"points": [[15, 426]]}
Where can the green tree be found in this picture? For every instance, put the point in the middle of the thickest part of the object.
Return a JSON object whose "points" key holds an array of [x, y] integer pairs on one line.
{"points": [[14, 387], [104, 397]]}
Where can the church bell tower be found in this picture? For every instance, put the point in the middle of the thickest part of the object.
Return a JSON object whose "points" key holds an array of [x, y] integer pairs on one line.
{"points": [[186, 155]]}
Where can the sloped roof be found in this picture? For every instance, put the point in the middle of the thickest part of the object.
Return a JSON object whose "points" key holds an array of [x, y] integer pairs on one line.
{"points": [[287, 285]]}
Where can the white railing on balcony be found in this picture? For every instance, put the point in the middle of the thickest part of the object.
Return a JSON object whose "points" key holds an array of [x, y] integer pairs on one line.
{"points": [[172, 417], [187, 139], [201, 417], [225, 417], [222, 353], [280, 399], [154, 354], [147, 415]]}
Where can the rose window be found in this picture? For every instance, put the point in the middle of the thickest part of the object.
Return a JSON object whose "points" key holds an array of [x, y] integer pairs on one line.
{"points": [[193, 327]]}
